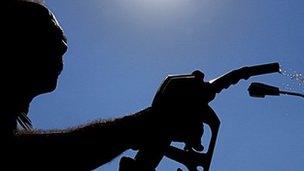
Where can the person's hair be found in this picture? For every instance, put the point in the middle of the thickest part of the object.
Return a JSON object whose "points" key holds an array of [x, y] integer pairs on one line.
{"points": [[20, 18]]}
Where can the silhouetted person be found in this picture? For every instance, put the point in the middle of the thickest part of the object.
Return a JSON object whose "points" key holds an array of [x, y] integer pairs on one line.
{"points": [[32, 47]]}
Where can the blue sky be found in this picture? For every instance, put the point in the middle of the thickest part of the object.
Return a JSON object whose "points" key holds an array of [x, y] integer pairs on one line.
{"points": [[121, 50]]}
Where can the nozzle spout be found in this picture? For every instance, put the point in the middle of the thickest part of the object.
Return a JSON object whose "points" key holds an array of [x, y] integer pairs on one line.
{"points": [[263, 69], [235, 76]]}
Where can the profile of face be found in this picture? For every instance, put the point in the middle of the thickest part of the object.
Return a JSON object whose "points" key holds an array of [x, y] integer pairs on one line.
{"points": [[49, 47], [38, 48]]}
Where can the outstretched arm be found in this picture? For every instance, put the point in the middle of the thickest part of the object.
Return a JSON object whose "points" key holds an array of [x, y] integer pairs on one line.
{"points": [[82, 148]]}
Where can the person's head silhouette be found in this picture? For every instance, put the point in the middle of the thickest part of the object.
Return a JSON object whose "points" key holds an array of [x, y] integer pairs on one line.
{"points": [[32, 51]]}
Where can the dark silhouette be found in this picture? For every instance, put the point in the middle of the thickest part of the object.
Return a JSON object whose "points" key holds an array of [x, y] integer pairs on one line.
{"points": [[32, 48], [260, 90], [33, 45], [182, 94]]}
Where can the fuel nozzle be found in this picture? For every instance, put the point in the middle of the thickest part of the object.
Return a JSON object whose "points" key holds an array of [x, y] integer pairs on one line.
{"points": [[261, 90]]}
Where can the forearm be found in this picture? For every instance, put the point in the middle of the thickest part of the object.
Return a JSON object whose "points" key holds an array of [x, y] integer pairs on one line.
{"points": [[86, 147]]}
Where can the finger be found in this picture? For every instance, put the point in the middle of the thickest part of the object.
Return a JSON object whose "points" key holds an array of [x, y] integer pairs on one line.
{"points": [[194, 139]]}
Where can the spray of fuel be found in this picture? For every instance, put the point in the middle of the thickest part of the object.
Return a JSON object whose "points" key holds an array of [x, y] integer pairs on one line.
{"points": [[296, 77]]}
